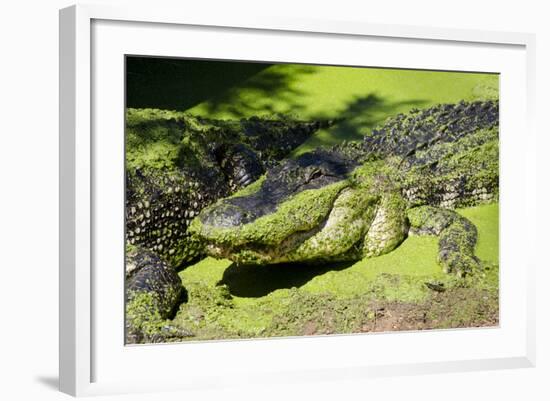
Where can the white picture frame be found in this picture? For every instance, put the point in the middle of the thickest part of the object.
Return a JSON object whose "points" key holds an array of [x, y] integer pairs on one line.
{"points": [[91, 362]]}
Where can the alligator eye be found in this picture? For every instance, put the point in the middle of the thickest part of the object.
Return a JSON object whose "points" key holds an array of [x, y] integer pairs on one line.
{"points": [[315, 174]]}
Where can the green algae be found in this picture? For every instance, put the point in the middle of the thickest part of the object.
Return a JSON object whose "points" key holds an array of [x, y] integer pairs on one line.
{"points": [[486, 219], [143, 315]]}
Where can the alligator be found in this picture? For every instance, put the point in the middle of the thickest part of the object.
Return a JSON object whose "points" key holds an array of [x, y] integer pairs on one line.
{"points": [[177, 164], [358, 200]]}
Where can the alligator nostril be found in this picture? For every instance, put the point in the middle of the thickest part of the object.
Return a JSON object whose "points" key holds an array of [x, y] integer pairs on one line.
{"points": [[314, 175]]}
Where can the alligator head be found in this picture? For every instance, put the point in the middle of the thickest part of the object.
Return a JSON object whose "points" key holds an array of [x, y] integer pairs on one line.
{"points": [[318, 207], [177, 164]]}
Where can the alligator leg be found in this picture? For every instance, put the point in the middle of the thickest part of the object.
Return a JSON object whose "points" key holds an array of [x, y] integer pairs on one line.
{"points": [[153, 293], [457, 237]]}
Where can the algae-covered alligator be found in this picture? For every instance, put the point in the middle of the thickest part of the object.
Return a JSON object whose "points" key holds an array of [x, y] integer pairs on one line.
{"points": [[361, 200], [177, 164]]}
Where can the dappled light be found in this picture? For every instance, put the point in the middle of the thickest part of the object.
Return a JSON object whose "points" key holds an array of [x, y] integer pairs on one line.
{"points": [[274, 91], [357, 118]]}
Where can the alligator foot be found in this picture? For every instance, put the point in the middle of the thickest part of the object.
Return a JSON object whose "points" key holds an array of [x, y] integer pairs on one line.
{"points": [[457, 237], [153, 293]]}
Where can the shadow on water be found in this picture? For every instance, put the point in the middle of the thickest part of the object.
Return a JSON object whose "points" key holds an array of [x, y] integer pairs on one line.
{"points": [[252, 281], [360, 115], [234, 89], [273, 91], [179, 84]]}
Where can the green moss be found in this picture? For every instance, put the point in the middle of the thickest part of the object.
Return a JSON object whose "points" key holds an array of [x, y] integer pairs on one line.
{"points": [[301, 213], [152, 138], [486, 219], [487, 90], [389, 227], [142, 314], [430, 219], [483, 160], [391, 276], [162, 139], [307, 314], [345, 227], [372, 174], [208, 271], [465, 158]]}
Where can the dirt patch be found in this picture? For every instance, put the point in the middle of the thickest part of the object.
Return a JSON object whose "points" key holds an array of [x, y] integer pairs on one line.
{"points": [[458, 308], [310, 328]]}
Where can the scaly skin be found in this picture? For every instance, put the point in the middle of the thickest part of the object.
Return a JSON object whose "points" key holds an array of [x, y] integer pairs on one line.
{"points": [[362, 200]]}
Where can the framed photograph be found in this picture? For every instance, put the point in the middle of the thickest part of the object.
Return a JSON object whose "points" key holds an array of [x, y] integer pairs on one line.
{"points": [[354, 198]]}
